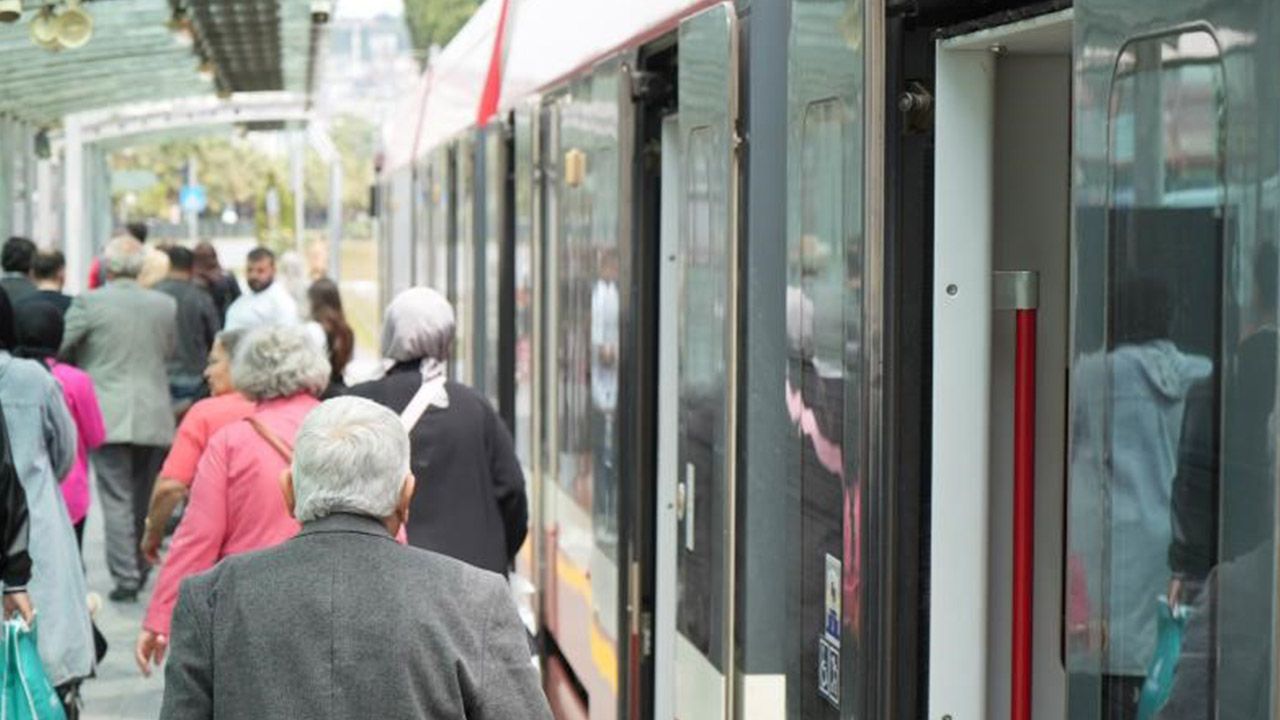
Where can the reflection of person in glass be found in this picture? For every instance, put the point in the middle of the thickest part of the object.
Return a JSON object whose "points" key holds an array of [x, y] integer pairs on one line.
{"points": [[1244, 519], [1222, 525], [830, 510], [1130, 404], [604, 388]]}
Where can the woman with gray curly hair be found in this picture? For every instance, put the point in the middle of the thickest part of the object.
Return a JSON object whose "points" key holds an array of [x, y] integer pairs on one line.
{"points": [[235, 504]]}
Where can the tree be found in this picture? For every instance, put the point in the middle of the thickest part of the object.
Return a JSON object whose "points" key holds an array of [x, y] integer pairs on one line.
{"points": [[435, 22]]}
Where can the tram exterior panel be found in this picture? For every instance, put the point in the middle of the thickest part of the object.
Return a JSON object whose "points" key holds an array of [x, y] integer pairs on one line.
{"points": [[727, 272]]}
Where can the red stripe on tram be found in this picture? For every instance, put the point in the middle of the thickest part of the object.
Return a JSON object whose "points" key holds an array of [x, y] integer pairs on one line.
{"points": [[493, 80]]}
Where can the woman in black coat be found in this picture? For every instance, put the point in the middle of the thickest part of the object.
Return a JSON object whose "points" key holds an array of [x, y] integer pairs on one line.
{"points": [[470, 503]]}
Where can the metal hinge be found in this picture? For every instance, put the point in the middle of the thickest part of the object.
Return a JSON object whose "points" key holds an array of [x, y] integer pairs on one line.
{"points": [[916, 104]]}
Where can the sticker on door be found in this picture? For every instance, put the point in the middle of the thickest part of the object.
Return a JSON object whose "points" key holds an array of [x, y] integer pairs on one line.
{"points": [[829, 671], [831, 618]]}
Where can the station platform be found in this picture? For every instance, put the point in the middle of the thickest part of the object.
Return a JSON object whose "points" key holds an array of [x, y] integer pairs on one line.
{"points": [[119, 692]]}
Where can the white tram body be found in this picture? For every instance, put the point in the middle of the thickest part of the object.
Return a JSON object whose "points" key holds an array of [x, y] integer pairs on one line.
{"points": [[754, 286]]}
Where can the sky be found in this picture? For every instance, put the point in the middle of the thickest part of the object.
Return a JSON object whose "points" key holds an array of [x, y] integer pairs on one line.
{"points": [[369, 8]]}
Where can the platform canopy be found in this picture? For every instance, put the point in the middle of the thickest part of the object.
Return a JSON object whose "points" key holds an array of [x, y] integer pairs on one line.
{"points": [[143, 51]]}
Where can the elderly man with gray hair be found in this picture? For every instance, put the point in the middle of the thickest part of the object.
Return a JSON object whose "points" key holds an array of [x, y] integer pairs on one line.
{"points": [[342, 621], [122, 335]]}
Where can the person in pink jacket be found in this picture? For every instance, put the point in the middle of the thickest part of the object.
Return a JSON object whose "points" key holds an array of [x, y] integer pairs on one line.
{"points": [[236, 504], [39, 336]]}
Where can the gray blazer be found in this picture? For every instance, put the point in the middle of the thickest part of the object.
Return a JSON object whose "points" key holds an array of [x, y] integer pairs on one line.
{"points": [[122, 335], [342, 622]]}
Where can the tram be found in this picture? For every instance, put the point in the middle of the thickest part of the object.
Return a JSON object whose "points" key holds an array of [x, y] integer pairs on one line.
{"points": [[870, 358]]}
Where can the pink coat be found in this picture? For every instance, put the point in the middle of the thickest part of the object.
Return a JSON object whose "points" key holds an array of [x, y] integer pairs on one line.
{"points": [[82, 401], [235, 504]]}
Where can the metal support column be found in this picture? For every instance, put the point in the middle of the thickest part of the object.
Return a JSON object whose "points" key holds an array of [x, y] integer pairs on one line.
{"points": [[75, 237], [297, 155], [45, 223], [335, 216]]}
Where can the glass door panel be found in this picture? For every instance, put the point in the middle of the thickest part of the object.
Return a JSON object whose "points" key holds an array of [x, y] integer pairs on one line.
{"points": [[1172, 451], [704, 448], [583, 385], [823, 384]]}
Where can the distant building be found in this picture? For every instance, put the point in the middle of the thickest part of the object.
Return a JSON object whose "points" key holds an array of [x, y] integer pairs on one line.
{"points": [[369, 67]]}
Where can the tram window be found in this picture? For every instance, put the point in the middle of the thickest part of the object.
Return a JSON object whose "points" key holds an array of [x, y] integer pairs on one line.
{"points": [[464, 265], [702, 396], [495, 186], [817, 303], [1172, 501], [589, 304]]}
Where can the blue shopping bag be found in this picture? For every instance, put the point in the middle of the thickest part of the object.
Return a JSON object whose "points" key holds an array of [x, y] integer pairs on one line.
{"points": [[1170, 624], [28, 695]]}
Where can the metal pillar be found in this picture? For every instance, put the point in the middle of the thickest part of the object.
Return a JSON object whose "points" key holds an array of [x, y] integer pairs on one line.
{"points": [[7, 156], [335, 216], [322, 144], [297, 152], [75, 236], [193, 218], [45, 226]]}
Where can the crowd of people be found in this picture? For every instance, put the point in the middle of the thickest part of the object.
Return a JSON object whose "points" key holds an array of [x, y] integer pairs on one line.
{"points": [[299, 526]]}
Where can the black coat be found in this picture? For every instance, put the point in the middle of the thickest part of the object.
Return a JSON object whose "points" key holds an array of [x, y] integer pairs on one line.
{"points": [[470, 503], [15, 563]]}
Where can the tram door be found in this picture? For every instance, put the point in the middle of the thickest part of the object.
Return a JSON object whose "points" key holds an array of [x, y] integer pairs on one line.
{"points": [[696, 465], [1002, 217], [1172, 518]]}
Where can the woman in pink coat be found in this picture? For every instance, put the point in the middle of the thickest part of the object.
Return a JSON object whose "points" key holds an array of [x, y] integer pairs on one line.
{"points": [[39, 336], [236, 504]]}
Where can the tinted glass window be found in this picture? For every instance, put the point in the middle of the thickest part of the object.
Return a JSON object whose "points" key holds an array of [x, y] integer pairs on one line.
{"points": [[702, 473], [816, 307], [1173, 385]]}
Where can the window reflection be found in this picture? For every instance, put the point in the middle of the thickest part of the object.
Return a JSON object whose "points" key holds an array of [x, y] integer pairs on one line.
{"points": [[816, 306], [494, 188], [1173, 392], [588, 356], [463, 265], [524, 289], [703, 349]]}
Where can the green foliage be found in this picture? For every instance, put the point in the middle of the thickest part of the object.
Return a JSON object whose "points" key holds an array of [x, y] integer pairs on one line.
{"points": [[275, 233], [435, 22], [231, 170], [237, 173]]}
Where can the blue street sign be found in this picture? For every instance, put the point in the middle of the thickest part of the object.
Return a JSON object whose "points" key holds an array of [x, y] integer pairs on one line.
{"points": [[193, 198]]}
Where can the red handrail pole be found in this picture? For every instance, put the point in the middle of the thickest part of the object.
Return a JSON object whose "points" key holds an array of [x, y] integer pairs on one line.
{"points": [[1024, 507]]}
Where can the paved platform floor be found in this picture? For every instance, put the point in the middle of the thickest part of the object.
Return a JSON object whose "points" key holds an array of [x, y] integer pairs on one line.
{"points": [[119, 692]]}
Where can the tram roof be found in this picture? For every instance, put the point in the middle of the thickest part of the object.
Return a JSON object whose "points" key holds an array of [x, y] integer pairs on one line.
{"points": [[545, 42], [133, 56]]}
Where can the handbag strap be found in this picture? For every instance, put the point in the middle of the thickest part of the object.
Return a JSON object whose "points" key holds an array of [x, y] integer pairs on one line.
{"points": [[281, 447], [427, 395]]}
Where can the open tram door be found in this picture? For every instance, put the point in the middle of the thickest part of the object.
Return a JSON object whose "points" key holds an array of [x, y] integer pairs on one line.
{"points": [[1001, 227], [1154, 456], [696, 369]]}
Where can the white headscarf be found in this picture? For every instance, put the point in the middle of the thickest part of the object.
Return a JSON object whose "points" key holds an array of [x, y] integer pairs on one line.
{"points": [[419, 326]]}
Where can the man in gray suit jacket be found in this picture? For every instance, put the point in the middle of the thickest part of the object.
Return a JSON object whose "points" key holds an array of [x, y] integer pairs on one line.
{"points": [[342, 621], [122, 335]]}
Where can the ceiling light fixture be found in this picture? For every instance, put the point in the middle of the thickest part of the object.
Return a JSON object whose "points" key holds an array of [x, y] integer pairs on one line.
{"points": [[10, 11], [44, 29]]}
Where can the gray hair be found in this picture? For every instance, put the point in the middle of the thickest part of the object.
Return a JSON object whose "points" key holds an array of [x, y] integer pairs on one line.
{"points": [[278, 361], [419, 324], [230, 339], [123, 257], [350, 455]]}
